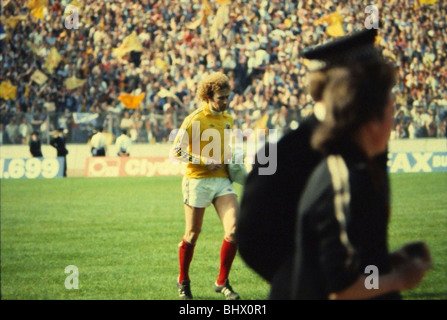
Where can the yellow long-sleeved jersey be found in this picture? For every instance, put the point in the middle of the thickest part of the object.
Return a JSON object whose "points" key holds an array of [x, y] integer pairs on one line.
{"points": [[202, 137]]}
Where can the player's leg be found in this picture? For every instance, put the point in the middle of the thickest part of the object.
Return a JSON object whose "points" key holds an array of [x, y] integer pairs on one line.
{"points": [[194, 220], [193, 226], [195, 198], [227, 209]]}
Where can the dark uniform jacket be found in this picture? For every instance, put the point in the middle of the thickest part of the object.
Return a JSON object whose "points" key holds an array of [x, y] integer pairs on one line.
{"points": [[265, 230], [59, 144], [35, 148], [342, 226]]}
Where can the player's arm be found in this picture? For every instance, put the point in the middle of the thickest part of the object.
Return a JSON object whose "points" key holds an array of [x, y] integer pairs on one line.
{"points": [[405, 277], [183, 150], [409, 266], [344, 279], [340, 262]]}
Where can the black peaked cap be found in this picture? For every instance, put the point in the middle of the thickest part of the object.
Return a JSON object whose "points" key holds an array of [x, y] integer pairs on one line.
{"points": [[358, 46]]}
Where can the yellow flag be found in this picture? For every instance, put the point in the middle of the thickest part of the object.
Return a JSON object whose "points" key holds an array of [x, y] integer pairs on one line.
{"points": [[262, 122], [130, 43], [11, 22], [335, 21], [38, 13], [131, 101], [162, 64], [427, 2], [7, 90], [37, 8], [206, 7], [335, 30], [330, 18], [53, 60], [221, 18], [32, 4], [223, 2], [39, 77], [73, 83], [326, 18], [119, 52], [205, 11]]}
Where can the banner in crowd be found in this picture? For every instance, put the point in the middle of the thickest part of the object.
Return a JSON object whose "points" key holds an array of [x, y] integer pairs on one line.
{"points": [[162, 166], [132, 167], [417, 162], [31, 168], [84, 117]]}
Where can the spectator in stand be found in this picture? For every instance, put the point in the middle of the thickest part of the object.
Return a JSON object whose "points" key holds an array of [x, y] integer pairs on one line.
{"points": [[35, 147], [12, 133], [123, 142], [58, 142], [98, 143], [126, 121], [257, 42], [24, 131]]}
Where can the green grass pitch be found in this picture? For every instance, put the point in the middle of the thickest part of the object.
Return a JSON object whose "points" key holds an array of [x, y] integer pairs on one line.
{"points": [[122, 235]]}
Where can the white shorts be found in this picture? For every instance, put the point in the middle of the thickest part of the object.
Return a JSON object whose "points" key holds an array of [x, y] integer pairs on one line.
{"points": [[199, 193]]}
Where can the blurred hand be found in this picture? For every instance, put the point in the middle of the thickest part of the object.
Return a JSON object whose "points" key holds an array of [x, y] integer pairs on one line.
{"points": [[411, 273], [412, 250], [418, 249]]}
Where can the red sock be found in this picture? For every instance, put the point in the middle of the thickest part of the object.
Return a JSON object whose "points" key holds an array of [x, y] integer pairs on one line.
{"points": [[186, 251], [227, 254]]}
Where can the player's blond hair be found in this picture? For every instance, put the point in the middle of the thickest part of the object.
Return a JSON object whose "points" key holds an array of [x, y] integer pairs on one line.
{"points": [[212, 83]]}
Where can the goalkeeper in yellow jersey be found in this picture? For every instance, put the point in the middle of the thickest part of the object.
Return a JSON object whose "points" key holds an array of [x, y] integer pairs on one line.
{"points": [[203, 143]]}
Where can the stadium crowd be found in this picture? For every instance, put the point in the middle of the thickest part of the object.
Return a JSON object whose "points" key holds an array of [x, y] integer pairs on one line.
{"points": [[257, 43]]}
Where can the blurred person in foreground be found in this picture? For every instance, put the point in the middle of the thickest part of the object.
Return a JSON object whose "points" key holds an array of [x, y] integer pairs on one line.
{"points": [[344, 211], [266, 225], [206, 180]]}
